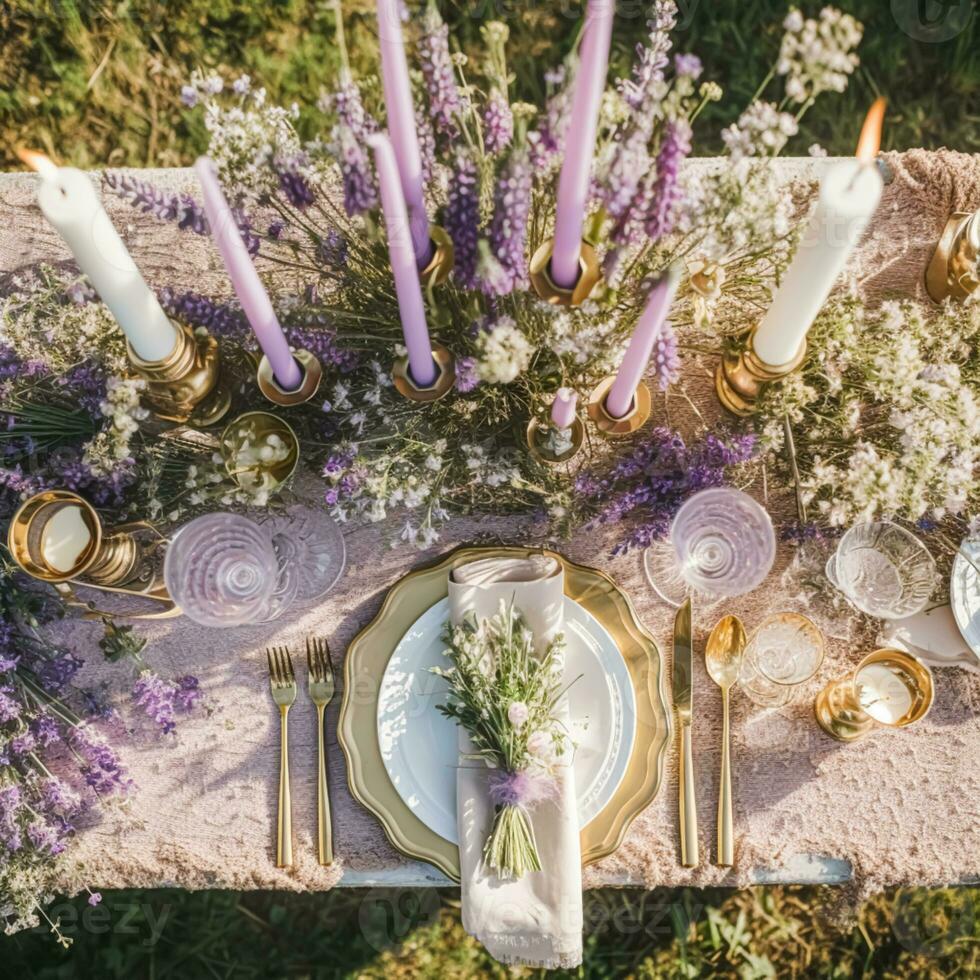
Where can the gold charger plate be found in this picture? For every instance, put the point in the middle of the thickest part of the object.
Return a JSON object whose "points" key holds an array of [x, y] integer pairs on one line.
{"points": [[371, 649]]}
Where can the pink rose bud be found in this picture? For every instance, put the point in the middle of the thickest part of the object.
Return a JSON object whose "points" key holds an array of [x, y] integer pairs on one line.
{"points": [[517, 713], [539, 744]]}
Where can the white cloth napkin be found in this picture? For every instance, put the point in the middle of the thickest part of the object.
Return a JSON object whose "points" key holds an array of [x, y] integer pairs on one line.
{"points": [[933, 637], [535, 920]]}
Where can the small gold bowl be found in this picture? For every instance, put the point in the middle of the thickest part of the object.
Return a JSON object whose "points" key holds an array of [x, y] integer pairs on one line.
{"points": [[244, 442]]}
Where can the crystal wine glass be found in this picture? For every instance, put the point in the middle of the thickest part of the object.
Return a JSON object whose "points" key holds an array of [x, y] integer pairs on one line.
{"points": [[883, 570], [721, 544], [226, 570], [786, 650]]}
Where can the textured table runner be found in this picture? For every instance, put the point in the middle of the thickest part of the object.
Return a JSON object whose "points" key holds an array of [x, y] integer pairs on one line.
{"points": [[899, 807]]}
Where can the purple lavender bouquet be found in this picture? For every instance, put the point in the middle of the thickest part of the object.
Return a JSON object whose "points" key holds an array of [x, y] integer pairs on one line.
{"points": [[56, 767], [71, 421], [311, 210]]}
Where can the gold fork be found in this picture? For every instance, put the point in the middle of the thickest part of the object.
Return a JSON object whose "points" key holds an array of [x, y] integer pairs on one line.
{"points": [[321, 692], [283, 683]]}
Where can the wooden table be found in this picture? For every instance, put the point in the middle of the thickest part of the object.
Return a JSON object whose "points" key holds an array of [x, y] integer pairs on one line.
{"points": [[204, 815]]}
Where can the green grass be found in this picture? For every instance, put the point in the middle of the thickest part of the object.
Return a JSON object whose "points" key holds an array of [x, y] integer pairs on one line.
{"points": [[98, 82], [755, 933]]}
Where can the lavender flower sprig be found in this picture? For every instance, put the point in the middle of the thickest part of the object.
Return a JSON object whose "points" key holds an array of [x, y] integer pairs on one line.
{"points": [[652, 57], [498, 123], [512, 205], [55, 766], [357, 171], [162, 700], [644, 489], [665, 195], [179, 208], [463, 218], [445, 102]]}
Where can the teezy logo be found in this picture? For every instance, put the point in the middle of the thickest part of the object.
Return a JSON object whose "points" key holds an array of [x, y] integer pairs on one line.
{"points": [[932, 21]]}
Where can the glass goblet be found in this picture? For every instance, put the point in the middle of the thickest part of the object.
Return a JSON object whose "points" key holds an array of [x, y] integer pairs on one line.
{"points": [[883, 570], [723, 545], [785, 650], [316, 545], [224, 570]]}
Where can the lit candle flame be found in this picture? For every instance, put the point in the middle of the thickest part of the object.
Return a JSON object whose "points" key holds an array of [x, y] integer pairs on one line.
{"points": [[45, 166], [870, 138]]}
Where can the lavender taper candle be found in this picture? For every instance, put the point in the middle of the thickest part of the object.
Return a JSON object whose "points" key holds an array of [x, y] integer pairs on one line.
{"points": [[401, 125], [563, 407], [408, 288], [255, 301], [576, 168], [637, 355]]}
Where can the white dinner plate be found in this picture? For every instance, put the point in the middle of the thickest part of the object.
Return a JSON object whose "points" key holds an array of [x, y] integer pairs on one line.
{"points": [[964, 593], [419, 744]]}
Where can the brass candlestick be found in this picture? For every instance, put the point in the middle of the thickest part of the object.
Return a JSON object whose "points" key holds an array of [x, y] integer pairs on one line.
{"points": [[440, 266], [312, 374], [121, 560], [739, 378], [550, 451], [549, 290], [954, 269], [445, 379], [186, 385], [609, 425], [848, 710]]}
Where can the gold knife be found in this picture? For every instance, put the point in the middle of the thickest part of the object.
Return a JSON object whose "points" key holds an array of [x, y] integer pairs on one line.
{"points": [[683, 696]]}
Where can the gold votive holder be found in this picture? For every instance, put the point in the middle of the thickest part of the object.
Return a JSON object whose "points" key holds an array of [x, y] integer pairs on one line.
{"points": [[440, 266], [609, 425], [540, 274], [954, 269], [275, 393], [445, 378], [185, 386], [740, 378], [123, 559], [849, 709], [260, 451], [546, 449]]}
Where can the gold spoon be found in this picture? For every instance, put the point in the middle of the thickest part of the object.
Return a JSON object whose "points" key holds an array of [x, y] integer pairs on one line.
{"points": [[723, 658]]}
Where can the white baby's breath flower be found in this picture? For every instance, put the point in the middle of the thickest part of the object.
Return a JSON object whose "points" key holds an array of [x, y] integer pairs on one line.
{"points": [[761, 130], [817, 55], [504, 352]]}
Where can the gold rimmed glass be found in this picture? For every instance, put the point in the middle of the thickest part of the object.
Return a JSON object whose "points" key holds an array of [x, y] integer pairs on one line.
{"points": [[785, 651]]}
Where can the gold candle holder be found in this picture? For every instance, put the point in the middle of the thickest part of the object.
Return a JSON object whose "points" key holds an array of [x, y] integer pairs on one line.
{"points": [[609, 425], [739, 378], [440, 266], [255, 432], [119, 560], [538, 446], [312, 374], [185, 386], [445, 379], [540, 273], [851, 708], [954, 269]]}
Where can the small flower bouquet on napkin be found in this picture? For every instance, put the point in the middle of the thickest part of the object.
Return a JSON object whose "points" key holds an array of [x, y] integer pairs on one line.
{"points": [[505, 697]]}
